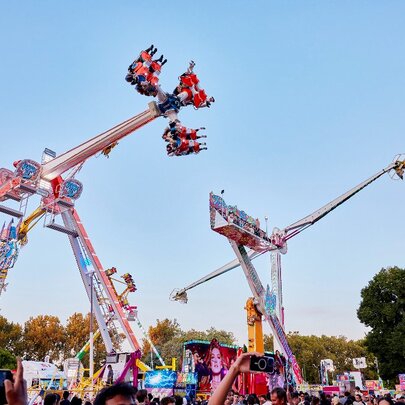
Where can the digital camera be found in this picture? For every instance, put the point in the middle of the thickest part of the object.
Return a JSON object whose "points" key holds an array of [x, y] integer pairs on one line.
{"points": [[263, 364], [4, 375]]}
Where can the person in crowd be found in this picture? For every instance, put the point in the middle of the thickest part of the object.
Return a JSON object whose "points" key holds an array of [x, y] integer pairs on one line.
{"points": [[304, 399], [65, 400], [76, 401], [142, 397], [110, 375], [50, 399], [278, 396], [267, 399], [350, 399], [295, 398], [358, 400], [386, 400], [117, 394], [343, 399], [335, 400], [229, 397], [251, 400], [235, 398], [178, 400], [241, 398], [167, 401], [315, 401], [323, 399]]}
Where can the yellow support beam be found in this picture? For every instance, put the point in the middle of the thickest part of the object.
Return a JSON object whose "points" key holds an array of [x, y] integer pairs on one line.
{"points": [[28, 224], [171, 367], [255, 329]]}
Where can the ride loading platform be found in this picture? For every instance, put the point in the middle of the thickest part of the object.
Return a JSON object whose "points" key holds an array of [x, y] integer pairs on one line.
{"points": [[238, 226]]}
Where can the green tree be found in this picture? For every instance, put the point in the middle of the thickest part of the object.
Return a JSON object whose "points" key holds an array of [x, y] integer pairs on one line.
{"points": [[44, 335], [7, 360], [77, 334], [268, 343], [222, 336], [382, 308], [310, 350], [168, 338], [163, 336], [10, 336]]}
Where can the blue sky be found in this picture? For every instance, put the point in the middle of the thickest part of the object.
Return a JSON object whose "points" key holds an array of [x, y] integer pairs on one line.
{"points": [[309, 102]]}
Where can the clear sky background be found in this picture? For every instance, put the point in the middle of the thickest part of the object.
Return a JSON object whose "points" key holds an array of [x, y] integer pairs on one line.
{"points": [[309, 102]]}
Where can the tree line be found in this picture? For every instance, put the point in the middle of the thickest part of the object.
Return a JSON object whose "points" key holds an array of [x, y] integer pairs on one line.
{"points": [[382, 308], [168, 337], [45, 335]]}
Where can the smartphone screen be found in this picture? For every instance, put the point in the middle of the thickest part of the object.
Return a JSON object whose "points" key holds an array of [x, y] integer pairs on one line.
{"points": [[4, 375]]}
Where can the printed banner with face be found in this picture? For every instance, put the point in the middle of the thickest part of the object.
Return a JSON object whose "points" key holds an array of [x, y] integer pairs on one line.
{"points": [[209, 360]]}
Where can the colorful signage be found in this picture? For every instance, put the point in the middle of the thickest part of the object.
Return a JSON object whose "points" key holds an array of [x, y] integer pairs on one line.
{"points": [[160, 379], [210, 361], [374, 385], [402, 381]]}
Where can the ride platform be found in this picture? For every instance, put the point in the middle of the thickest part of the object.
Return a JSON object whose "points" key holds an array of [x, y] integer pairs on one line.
{"points": [[237, 225]]}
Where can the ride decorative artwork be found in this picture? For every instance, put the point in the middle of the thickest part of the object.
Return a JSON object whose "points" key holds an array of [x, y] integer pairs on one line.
{"points": [[71, 188], [270, 301], [235, 224], [27, 169], [8, 251]]}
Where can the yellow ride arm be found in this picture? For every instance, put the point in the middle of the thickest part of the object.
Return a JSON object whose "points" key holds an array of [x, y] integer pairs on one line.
{"points": [[28, 224]]}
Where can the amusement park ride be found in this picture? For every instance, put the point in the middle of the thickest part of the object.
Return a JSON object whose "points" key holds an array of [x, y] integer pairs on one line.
{"points": [[54, 181], [243, 231]]}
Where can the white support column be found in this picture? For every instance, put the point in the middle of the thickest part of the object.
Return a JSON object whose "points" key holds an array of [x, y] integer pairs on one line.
{"points": [[84, 273]]}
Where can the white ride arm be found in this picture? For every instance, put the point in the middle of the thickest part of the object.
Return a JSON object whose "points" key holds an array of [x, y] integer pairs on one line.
{"points": [[181, 295], [79, 154], [291, 230], [326, 209]]}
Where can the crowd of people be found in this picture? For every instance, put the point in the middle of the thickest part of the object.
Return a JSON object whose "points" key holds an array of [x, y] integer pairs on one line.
{"points": [[144, 71], [181, 140], [239, 217], [125, 394]]}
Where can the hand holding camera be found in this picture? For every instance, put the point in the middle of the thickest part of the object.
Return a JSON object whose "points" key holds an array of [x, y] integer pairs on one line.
{"points": [[16, 388], [4, 375], [262, 364]]}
